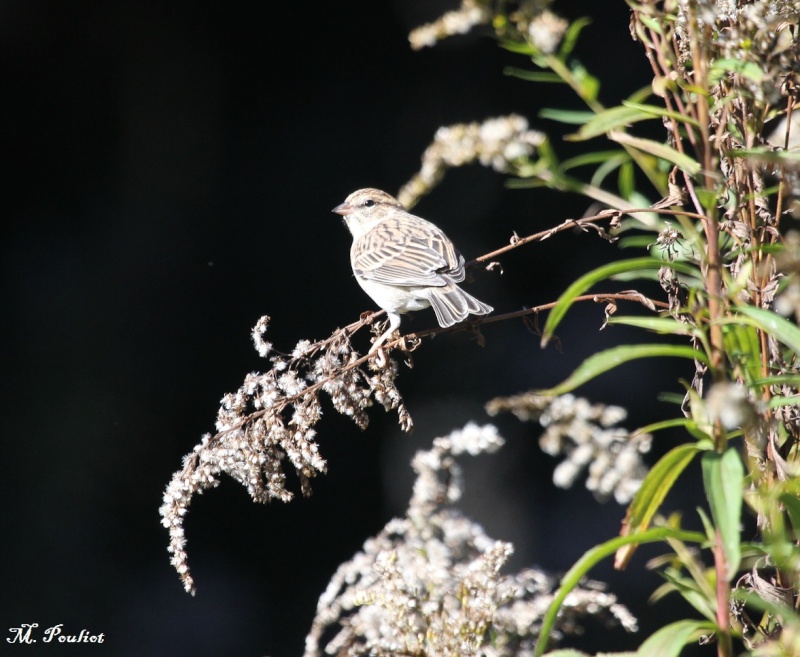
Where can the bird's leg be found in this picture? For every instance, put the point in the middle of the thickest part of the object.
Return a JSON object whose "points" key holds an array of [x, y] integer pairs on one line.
{"points": [[394, 323]]}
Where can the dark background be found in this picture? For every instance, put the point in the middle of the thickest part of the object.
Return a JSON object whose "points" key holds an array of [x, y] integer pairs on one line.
{"points": [[170, 169]]}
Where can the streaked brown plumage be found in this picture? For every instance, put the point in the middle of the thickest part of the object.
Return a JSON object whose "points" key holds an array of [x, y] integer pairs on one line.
{"points": [[405, 262]]}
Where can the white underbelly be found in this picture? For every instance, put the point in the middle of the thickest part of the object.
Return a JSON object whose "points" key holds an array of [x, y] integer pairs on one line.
{"points": [[393, 298]]}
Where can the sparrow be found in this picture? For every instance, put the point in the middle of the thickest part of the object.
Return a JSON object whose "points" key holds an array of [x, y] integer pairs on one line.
{"points": [[404, 262]]}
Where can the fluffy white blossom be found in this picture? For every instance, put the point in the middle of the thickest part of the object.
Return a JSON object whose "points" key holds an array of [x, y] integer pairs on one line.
{"points": [[585, 435]]}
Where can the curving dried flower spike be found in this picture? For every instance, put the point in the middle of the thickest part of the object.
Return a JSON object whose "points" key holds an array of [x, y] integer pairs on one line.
{"points": [[269, 421]]}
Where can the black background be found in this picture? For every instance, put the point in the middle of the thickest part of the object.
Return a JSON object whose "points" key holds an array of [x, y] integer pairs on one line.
{"points": [[170, 173]]}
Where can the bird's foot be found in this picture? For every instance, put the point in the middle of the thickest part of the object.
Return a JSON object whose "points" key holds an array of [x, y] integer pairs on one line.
{"points": [[368, 316]]}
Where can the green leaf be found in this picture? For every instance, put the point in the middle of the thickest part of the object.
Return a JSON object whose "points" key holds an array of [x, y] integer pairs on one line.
{"points": [[518, 46], [671, 398], [708, 198], [532, 76], [708, 526], [770, 322], [723, 477], [621, 159], [596, 157], [598, 275], [640, 96], [792, 506], [609, 359], [608, 120], [746, 69], [590, 559], [636, 242], [689, 590], [778, 402], [572, 117], [672, 423], [655, 110], [670, 639], [656, 485], [681, 160], [779, 380], [768, 155], [586, 85], [627, 180], [652, 23], [662, 325], [744, 349], [651, 494], [571, 37]]}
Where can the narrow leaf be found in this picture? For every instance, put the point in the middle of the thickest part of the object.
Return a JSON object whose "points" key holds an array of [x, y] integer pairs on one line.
{"points": [[662, 325], [652, 23], [667, 424], [739, 66], [768, 155], [587, 85], [608, 120], [779, 402], [690, 591], [595, 157], [651, 494], [518, 46], [670, 639], [607, 360], [655, 110], [681, 160], [743, 347], [627, 180], [772, 323], [723, 477], [792, 506], [531, 76], [779, 380], [612, 163], [571, 36], [572, 117], [590, 559], [598, 275]]}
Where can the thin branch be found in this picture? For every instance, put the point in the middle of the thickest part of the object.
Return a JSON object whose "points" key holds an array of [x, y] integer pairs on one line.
{"points": [[580, 223]]}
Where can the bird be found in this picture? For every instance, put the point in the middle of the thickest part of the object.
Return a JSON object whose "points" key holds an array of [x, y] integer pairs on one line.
{"points": [[404, 262]]}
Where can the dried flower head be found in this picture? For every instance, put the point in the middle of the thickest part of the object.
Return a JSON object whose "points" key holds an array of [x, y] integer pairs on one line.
{"points": [[728, 403], [459, 21], [668, 240], [587, 436], [431, 583], [269, 421], [497, 142], [545, 31], [756, 35]]}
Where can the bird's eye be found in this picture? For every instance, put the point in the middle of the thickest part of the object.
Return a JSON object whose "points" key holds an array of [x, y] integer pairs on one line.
{"points": [[369, 203]]}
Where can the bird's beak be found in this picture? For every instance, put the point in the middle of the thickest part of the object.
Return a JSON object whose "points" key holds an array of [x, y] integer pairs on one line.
{"points": [[343, 209]]}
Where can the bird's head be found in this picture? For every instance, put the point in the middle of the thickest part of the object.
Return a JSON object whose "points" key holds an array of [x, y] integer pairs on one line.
{"points": [[366, 208]]}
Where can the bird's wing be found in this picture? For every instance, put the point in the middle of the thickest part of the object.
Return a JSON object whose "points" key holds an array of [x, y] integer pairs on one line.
{"points": [[407, 251]]}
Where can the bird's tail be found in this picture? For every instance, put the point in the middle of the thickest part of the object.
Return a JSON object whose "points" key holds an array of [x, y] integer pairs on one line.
{"points": [[452, 305]]}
